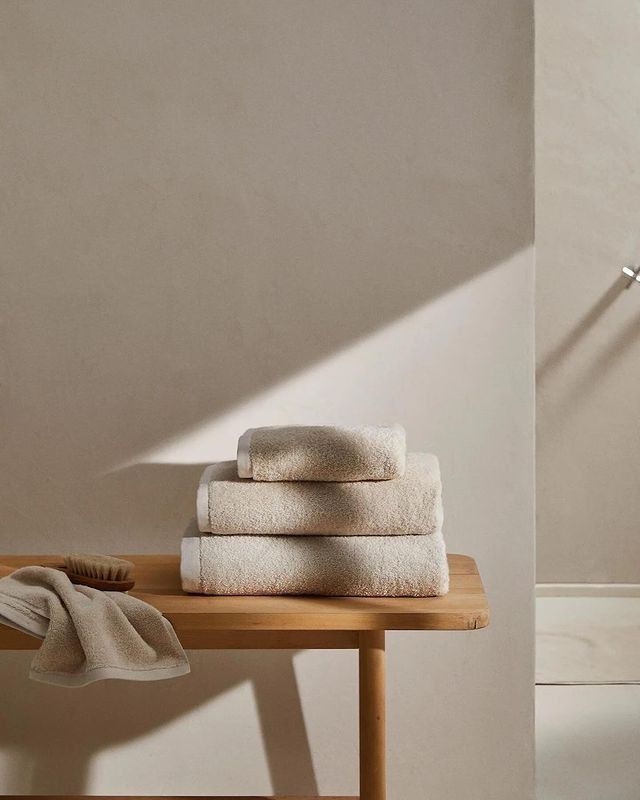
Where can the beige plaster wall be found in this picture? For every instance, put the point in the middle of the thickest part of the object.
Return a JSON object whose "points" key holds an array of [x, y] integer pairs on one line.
{"points": [[223, 214]]}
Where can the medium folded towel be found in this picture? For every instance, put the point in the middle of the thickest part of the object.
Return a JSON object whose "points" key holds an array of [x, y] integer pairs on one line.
{"points": [[411, 504], [322, 453], [344, 566], [88, 635]]}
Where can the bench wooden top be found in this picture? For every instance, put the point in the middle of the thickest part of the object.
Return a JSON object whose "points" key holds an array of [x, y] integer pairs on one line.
{"points": [[194, 616]]}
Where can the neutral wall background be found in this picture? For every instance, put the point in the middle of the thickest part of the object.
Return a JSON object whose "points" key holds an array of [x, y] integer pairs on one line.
{"points": [[588, 327], [223, 214]]}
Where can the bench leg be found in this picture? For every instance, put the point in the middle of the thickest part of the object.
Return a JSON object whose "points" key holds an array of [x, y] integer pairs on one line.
{"points": [[372, 716]]}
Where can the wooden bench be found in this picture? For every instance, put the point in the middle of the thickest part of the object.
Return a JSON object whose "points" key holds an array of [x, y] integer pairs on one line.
{"points": [[359, 623]]}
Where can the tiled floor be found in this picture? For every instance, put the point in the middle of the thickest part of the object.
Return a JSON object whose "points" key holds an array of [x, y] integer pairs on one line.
{"points": [[588, 736], [588, 742]]}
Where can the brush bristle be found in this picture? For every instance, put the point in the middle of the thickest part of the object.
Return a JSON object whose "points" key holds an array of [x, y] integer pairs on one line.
{"points": [[106, 568]]}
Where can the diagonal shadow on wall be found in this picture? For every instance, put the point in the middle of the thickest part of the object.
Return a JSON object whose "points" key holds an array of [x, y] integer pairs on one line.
{"points": [[53, 740], [228, 205]]}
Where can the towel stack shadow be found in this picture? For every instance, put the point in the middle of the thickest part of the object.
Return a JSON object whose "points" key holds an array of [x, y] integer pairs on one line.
{"points": [[319, 510]]}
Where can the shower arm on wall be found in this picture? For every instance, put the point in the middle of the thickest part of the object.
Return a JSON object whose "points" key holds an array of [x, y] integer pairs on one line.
{"points": [[633, 273]]}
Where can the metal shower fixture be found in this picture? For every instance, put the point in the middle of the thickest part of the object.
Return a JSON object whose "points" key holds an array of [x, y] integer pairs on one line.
{"points": [[633, 273]]}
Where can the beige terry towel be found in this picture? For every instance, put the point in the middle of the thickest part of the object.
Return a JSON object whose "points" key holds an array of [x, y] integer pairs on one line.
{"points": [[322, 453], [411, 504], [345, 566], [88, 635]]}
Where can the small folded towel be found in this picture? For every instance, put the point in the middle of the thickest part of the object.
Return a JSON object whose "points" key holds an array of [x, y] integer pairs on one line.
{"points": [[322, 453], [411, 504], [88, 635], [343, 566]]}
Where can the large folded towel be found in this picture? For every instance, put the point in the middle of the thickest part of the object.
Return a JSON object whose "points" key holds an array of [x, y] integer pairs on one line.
{"points": [[411, 504], [356, 566], [88, 635], [322, 453]]}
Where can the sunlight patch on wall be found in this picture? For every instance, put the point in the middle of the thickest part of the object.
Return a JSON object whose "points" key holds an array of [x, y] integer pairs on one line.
{"points": [[423, 370]]}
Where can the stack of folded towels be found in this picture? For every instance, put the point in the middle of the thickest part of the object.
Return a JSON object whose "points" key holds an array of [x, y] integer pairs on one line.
{"points": [[322, 510]]}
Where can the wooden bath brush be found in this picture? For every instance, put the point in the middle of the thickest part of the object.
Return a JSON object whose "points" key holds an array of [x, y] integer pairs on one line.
{"points": [[99, 572]]}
